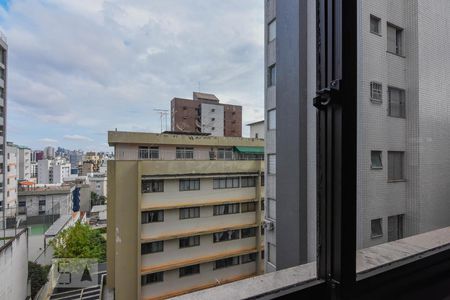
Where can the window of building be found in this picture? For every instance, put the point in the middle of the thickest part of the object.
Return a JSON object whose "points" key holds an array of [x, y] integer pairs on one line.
{"points": [[146, 152], [152, 278], [376, 91], [395, 165], [248, 258], [248, 181], [225, 153], [152, 247], [394, 39], [262, 230], [185, 153], [375, 25], [226, 183], [152, 216], [226, 209], [272, 253], [225, 236], [272, 32], [190, 241], [262, 204], [189, 270], [271, 75], [248, 232], [376, 228], [271, 208], [226, 262], [152, 186], [189, 213], [189, 184], [272, 119], [262, 179], [376, 162], [395, 228], [271, 163], [396, 103], [22, 208], [248, 207]]}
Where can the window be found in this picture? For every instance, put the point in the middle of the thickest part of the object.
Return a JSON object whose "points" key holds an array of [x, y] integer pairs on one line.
{"points": [[213, 119], [376, 227], [271, 76], [396, 106], [42, 207], [185, 153], [226, 262], [271, 164], [272, 253], [272, 119], [247, 258], [22, 208], [395, 165], [394, 39], [152, 247], [248, 207], [262, 179], [189, 213], [248, 232], [189, 270], [152, 186], [375, 25], [225, 153], [152, 278], [262, 204], [376, 91], [189, 184], [248, 181], [272, 32], [226, 209], [271, 209], [395, 228], [375, 157], [225, 236], [152, 216], [190, 241], [146, 152], [226, 183]]}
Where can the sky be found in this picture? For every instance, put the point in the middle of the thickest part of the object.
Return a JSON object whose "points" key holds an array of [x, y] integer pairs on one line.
{"points": [[78, 68]]}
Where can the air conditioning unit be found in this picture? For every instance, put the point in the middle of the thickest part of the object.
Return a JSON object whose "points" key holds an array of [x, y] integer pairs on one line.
{"points": [[268, 225]]}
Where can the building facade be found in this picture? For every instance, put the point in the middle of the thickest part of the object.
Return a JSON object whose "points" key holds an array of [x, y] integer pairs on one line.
{"points": [[402, 123], [184, 213], [257, 130], [24, 163], [3, 113], [53, 171], [11, 179], [206, 115]]}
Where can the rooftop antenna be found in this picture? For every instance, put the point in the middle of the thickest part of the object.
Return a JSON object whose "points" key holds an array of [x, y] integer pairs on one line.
{"points": [[162, 114]]}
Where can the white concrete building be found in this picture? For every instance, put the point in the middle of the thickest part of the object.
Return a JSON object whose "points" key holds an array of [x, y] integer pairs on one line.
{"points": [[53, 171], [257, 129], [11, 179], [24, 163], [49, 152], [98, 183]]}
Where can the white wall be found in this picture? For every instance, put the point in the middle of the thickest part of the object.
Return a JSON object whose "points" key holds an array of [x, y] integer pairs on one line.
{"points": [[14, 269], [210, 112]]}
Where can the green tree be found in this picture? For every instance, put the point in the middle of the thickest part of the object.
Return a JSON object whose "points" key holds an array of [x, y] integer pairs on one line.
{"points": [[80, 241], [37, 275]]}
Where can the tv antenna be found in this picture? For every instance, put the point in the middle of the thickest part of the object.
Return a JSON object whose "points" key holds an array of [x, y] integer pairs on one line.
{"points": [[162, 115]]}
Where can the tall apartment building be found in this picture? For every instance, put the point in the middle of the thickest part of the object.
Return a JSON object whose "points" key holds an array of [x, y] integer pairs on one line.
{"points": [[11, 179], [184, 212], [37, 155], [206, 115], [49, 152], [52, 171], [403, 128], [3, 111], [24, 162]]}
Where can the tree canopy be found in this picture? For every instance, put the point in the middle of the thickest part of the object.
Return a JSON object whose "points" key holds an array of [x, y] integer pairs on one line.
{"points": [[80, 241]]}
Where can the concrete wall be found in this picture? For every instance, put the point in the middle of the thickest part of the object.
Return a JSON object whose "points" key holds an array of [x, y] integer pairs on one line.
{"points": [[257, 130], [61, 202], [212, 119], [14, 268]]}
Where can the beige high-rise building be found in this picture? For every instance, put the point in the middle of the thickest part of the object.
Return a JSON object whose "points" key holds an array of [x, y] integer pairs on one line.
{"points": [[184, 213]]}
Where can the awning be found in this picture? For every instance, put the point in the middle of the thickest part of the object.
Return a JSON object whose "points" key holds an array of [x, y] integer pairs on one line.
{"points": [[249, 150]]}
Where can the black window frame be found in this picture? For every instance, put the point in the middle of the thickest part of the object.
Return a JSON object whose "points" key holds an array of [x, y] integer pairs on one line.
{"points": [[227, 235], [226, 262], [228, 209], [189, 270], [192, 212], [193, 184], [157, 186], [147, 248], [248, 207], [148, 217], [152, 278], [248, 232], [189, 241]]}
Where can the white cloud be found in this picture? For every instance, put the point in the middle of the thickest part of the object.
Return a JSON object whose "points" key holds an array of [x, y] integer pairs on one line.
{"points": [[77, 137], [48, 141]]}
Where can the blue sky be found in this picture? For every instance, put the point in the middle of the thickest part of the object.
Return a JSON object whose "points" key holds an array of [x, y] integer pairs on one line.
{"points": [[78, 68]]}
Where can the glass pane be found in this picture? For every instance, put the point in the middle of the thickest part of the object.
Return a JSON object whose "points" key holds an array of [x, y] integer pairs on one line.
{"points": [[403, 166]]}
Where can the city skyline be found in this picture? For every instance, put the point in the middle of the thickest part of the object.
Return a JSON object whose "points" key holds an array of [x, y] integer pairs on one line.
{"points": [[122, 61]]}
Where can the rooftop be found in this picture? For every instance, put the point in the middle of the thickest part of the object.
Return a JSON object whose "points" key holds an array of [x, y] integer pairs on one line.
{"points": [[254, 123], [127, 137]]}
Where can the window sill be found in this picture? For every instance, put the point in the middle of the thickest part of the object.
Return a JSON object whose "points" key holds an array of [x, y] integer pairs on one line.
{"points": [[376, 33], [396, 117], [376, 168], [376, 101], [396, 54], [398, 180], [374, 237]]}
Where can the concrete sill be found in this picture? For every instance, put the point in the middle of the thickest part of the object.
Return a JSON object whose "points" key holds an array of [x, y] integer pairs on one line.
{"points": [[399, 55], [399, 180]]}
